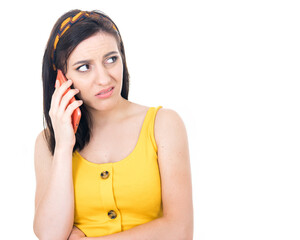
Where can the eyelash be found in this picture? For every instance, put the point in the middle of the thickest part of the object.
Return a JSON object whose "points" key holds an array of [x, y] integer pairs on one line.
{"points": [[78, 69], [115, 58]]}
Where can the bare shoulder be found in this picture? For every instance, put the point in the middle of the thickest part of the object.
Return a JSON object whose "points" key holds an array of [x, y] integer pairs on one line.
{"points": [[166, 114], [40, 139], [168, 124], [41, 145], [175, 171], [42, 165], [42, 155]]}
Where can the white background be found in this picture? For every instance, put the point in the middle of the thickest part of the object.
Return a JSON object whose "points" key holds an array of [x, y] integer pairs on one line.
{"points": [[231, 71]]}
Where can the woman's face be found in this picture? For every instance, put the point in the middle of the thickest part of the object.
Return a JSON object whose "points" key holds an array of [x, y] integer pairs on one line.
{"points": [[96, 65]]}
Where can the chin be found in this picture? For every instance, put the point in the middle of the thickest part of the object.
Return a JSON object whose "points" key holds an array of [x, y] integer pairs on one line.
{"points": [[101, 105]]}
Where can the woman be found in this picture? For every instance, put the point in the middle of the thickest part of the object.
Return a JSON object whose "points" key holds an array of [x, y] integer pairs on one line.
{"points": [[125, 174]]}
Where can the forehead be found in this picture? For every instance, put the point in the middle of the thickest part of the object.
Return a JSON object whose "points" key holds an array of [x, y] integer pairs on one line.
{"points": [[95, 46]]}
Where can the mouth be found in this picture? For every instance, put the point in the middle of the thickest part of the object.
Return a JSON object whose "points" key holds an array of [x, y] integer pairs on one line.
{"points": [[105, 91]]}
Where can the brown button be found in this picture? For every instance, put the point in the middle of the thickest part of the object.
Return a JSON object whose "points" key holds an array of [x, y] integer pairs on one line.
{"points": [[112, 214], [104, 174]]}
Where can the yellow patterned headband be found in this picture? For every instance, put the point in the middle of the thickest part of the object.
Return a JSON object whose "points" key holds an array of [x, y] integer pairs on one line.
{"points": [[66, 24]]}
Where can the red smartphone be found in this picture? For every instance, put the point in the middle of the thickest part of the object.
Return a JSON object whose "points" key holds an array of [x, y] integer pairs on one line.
{"points": [[76, 115]]}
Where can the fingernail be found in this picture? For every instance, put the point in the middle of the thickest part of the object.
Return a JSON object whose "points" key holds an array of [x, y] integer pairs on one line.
{"points": [[56, 83]]}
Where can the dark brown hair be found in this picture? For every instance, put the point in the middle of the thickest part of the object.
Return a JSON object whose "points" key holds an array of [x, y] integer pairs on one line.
{"points": [[81, 30]]}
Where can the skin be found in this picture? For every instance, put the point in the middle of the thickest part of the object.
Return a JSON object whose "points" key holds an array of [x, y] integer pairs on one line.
{"points": [[76, 234], [97, 73], [116, 122], [94, 65]]}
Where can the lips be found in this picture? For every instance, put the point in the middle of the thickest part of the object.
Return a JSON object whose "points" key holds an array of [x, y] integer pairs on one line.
{"points": [[105, 91]]}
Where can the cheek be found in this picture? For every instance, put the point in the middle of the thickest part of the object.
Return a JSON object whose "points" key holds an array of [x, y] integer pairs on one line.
{"points": [[119, 73], [82, 90]]}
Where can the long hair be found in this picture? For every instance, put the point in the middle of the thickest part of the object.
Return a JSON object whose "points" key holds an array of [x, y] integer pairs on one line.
{"points": [[81, 30]]}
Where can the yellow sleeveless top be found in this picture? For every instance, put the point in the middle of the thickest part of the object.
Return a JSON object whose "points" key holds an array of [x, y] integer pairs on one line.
{"points": [[114, 197]]}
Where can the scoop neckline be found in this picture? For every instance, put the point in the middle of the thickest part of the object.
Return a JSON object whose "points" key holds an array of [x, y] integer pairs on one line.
{"points": [[124, 159]]}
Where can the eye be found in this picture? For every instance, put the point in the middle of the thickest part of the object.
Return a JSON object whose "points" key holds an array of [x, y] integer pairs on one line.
{"points": [[112, 59], [83, 68]]}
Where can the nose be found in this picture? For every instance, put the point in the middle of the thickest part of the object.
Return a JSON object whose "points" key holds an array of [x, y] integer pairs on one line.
{"points": [[102, 76]]}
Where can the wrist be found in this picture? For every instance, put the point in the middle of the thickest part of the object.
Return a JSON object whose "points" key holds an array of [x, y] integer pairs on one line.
{"points": [[63, 149], [63, 144], [63, 153]]}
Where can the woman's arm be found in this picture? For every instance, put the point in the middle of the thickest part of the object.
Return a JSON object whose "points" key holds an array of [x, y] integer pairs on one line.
{"points": [[54, 202], [174, 164], [54, 198], [158, 229]]}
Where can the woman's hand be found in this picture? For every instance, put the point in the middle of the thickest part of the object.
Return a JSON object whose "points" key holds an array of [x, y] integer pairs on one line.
{"points": [[60, 114], [76, 234]]}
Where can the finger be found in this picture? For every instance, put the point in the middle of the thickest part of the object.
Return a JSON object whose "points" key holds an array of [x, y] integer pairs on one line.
{"points": [[63, 88], [65, 101], [70, 109], [59, 92], [57, 84]]}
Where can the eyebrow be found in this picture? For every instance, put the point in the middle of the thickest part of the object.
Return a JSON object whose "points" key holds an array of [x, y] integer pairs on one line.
{"points": [[87, 61], [110, 53]]}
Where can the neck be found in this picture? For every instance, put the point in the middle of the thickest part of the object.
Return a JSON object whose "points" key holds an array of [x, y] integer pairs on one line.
{"points": [[100, 118]]}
